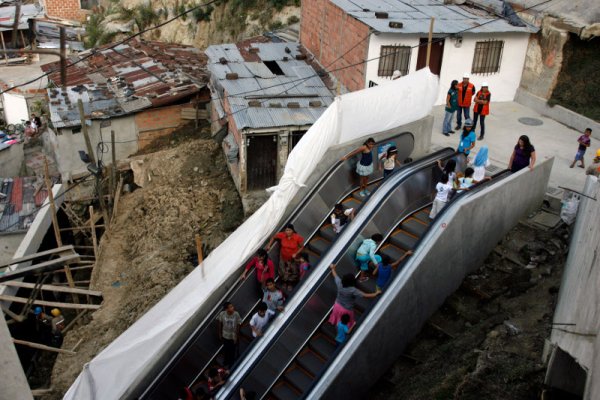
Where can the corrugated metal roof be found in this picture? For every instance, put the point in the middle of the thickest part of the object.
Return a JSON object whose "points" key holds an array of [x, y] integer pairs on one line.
{"points": [[264, 83], [17, 207], [126, 79], [28, 11], [415, 16]]}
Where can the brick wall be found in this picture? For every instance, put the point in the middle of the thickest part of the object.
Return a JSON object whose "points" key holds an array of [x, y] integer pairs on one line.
{"points": [[327, 32], [157, 122], [66, 9]]}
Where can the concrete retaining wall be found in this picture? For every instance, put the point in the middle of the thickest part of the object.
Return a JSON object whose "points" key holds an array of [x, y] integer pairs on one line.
{"points": [[578, 299], [11, 161], [457, 245], [558, 113]]}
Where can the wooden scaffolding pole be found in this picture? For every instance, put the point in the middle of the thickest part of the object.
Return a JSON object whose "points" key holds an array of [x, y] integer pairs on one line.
{"points": [[93, 227], [430, 37]]}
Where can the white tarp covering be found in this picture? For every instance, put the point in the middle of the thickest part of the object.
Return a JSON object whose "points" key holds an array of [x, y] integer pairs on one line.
{"points": [[350, 117]]}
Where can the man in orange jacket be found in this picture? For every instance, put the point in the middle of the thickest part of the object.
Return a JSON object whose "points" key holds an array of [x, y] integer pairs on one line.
{"points": [[481, 108], [466, 90]]}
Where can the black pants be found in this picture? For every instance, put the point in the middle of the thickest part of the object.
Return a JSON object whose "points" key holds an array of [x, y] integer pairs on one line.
{"points": [[482, 117], [229, 352]]}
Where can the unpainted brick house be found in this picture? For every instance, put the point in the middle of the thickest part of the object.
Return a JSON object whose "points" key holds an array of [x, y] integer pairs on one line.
{"points": [[73, 10], [343, 34], [265, 96]]}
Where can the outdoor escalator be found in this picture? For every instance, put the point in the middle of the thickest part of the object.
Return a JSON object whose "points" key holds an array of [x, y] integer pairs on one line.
{"points": [[298, 353], [311, 219]]}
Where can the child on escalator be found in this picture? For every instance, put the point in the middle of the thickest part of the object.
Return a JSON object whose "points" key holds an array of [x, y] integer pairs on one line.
{"points": [[385, 266]]}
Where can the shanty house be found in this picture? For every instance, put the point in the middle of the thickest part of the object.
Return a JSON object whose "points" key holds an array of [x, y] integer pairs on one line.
{"points": [[265, 96], [393, 34], [140, 90]]}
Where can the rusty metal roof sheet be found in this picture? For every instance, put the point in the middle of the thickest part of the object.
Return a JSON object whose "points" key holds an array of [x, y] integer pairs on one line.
{"points": [[130, 77]]}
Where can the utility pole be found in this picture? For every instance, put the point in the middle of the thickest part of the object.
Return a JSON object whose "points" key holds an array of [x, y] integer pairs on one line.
{"points": [[429, 42]]}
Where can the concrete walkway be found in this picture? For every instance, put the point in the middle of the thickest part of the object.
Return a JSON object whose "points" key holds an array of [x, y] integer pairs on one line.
{"points": [[551, 139]]}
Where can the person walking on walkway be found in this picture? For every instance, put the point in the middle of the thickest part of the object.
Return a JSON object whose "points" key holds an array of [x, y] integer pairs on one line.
{"points": [[523, 155], [364, 167], [347, 293], [481, 108], [229, 322], [451, 107], [466, 90], [584, 142]]}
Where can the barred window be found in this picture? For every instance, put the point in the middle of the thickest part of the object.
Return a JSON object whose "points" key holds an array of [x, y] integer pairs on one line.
{"points": [[487, 57], [394, 58]]}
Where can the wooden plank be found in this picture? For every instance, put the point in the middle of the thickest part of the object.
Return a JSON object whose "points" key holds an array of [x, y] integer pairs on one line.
{"points": [[73, 322], [50, 303], [33, 256], [190, 114], [53, 288], [38, 268], [93, 228], [41, 392], [42, 347], [117, 198]]}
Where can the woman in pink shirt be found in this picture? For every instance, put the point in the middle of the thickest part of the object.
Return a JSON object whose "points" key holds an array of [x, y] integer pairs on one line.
{"points": [[263, 265]]}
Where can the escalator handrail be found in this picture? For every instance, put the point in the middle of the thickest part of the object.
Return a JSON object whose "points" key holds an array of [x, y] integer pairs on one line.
{"points": [[153, 384], [459, 196], [339, 247]]}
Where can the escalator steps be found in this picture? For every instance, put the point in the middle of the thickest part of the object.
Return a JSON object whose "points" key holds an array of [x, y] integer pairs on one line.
{"points": [[423, 216], [314, 257], [310, 361], [328, 330], [392, 251], [351, 202], [414, 226], [327, 232], [319, 245], [284, 391], [323, 345], [299, 378], [403, 239]]}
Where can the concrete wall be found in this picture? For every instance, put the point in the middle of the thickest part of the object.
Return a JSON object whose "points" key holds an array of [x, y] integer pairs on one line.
{"points": [[68, 144], [579, 299], [11, 160], [458, 60], [432, 274], [15, 108], [336, 40], [13, 382], [8, 245]]}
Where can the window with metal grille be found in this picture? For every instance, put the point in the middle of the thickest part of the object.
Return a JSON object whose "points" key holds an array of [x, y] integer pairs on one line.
{"points": [[394, 58], [487, 57]]}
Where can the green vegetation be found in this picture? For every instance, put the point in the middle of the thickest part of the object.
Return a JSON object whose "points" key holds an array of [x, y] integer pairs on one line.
{"points": [[578, 83], [293, 19], [145, 16], [95, 35], [202, 14]]}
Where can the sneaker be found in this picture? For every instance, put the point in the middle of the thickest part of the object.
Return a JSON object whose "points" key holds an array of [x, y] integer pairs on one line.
{"points": [[480, 137], [367, 192], [457, 127], [363, 279], [362, 193], [445, 134], [451, 131]]}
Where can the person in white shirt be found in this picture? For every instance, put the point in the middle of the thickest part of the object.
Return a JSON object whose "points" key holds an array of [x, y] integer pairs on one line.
{"points": [[480, 162], [260, 320], [443, 188], [341, 216]]}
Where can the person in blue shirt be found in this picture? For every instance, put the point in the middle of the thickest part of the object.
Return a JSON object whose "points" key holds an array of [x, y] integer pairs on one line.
{"points": [[467, 139], [384, 268], [366, 253], [342, 330]]}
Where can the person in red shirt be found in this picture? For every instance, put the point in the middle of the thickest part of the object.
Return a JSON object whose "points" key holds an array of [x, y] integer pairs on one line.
{"points": [[291, 244], [263, 265], [481, 108], [466, 90]]}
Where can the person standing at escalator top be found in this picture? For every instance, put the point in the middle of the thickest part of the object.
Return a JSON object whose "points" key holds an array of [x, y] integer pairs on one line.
{"points": [[481, 108], [364, 167], [466, 90], [523, 155], [467, 140]]}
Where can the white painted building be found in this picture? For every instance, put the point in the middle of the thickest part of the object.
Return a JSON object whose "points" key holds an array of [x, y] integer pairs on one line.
{"points": [[466, 38]]}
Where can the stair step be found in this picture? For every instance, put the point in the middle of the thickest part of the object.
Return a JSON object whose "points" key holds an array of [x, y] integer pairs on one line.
{"points": [[414, 226], [323, 345], [328, 330], [319, 245], [299, 378], [310, 361], [314, 257], [422, 216], [392, 251], [403, 240], [351, 202], [284, 391], [327, 232]]}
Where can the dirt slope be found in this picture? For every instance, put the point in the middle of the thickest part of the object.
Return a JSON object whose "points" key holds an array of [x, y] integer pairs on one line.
{"points": [[150, 246]]}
